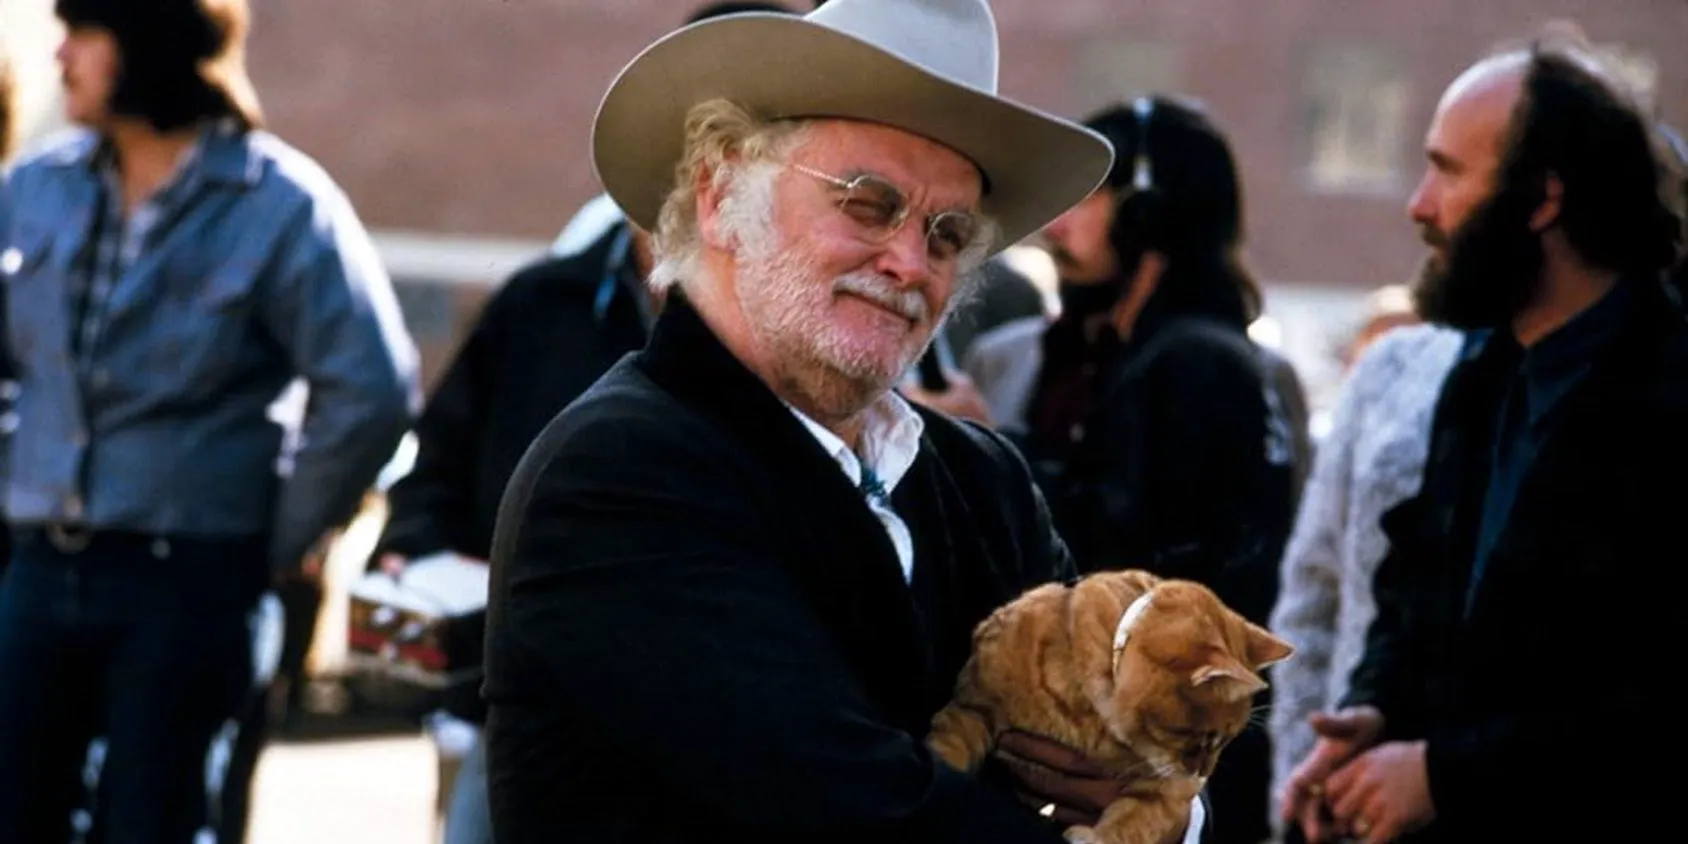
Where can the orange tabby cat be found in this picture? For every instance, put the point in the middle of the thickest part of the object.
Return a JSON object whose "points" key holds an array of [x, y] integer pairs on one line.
{"points": [[1148, 678]]}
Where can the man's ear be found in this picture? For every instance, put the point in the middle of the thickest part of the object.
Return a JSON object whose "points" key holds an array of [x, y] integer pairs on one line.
{"points": [[1553, 200], [708, 192]]}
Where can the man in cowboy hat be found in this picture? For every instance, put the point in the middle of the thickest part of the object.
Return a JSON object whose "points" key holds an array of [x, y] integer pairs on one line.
{"points": [[733, 581]]}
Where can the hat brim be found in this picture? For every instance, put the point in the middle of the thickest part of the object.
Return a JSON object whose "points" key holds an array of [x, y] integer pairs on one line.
{"points": [[780, 66]]}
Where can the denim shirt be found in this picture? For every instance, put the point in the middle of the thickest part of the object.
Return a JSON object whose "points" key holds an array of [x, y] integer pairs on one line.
{"points": [[144, 381]]}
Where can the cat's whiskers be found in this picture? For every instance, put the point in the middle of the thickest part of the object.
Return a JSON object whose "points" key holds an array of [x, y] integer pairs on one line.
{"points": [[1258, 717]]}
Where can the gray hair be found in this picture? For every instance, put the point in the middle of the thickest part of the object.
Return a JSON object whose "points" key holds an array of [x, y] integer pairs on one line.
{"points": [[730, 144], [722, 139]]}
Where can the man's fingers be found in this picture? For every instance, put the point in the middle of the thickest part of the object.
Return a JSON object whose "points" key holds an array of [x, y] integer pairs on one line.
{"points": [[1348, 798], [1056, 812], [1375, 823], [1049, 754], [1313, 824], [1039, 782], [1337, 725], [1380, 833], [1066, 816], [1297, 794], [1307, 783]]}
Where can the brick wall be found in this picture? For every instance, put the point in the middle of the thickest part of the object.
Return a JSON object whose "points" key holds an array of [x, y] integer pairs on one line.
{"points": [[473, 116]]}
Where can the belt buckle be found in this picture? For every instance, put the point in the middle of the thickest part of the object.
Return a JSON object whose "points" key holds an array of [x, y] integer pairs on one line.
{"points": [[69, 539]]}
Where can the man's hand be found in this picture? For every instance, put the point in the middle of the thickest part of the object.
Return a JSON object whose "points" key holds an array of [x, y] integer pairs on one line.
{"points": [[1342, 736], [961, 399], [1055, 780], [1061, 784], [1383, 794]]}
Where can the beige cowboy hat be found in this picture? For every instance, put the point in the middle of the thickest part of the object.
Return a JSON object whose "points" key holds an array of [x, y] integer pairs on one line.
{"points": [[925, 66]]}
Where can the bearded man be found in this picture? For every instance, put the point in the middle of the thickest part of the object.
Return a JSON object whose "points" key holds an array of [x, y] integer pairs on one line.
{"points": [[733, 582], [1522, 604]]}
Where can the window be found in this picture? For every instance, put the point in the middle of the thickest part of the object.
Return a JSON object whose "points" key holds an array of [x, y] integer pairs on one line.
{"points": [[1109, 71], [1354, 119]]}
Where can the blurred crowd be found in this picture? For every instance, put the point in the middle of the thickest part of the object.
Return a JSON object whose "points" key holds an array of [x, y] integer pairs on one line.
{"points": [[208, 386]]}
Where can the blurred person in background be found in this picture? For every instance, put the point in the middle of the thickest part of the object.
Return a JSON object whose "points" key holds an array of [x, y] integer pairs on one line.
{"points": [[1554, 483], [1162, 436], [170, 269], [570, 318], [1372, 459], [8, 376], [1387, 308], [1004, 295]]}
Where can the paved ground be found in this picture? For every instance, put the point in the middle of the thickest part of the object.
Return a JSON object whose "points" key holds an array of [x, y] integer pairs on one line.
{"points": [[346, 791]]}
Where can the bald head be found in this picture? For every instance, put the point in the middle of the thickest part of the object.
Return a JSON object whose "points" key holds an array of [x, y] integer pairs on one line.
{"points": [[1496, 73], [1542, 167], [1475, 114], [1466, 146]]}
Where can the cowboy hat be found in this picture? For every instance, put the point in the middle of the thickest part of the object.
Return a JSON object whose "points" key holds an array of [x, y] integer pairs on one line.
{"points": [[928, 67]]}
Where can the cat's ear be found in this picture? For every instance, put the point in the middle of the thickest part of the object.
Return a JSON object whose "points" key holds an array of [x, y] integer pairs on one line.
{"points": [[1263, 648], [1232, 679]]}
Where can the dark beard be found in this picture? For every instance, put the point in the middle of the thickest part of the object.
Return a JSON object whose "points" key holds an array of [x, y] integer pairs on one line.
{"points": [[1493, 266]]}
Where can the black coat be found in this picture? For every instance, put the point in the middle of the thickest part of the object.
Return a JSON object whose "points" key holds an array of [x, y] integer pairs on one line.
{"points": [[1187, 463], [699, 631], [539, 342], [1547, 709]]}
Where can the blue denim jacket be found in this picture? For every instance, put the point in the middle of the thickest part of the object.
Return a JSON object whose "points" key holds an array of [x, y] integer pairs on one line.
{"points": [[263, 274]]}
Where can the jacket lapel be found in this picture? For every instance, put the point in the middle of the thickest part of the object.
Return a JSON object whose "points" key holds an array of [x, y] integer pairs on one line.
{"points": [[832, 546], [1589, 441]]}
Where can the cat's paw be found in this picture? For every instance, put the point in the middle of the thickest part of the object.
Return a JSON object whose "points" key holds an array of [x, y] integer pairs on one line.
{"points": [[1082, 835]]}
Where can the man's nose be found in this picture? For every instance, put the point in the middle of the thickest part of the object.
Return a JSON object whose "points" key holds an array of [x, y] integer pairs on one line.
{"points": [[905, 257], [1056, 230], [1420, 208]]}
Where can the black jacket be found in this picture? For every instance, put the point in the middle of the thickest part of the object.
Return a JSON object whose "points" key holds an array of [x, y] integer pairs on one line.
{"points": [[540, 341], [1552, 683], [699, 631], [1188, 461]]}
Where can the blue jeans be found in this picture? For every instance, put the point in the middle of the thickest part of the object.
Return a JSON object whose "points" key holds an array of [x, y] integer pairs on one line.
{"points": [[468, 817], [139, 640]]}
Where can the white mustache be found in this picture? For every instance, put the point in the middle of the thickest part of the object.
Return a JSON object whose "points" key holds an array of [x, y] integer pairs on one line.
{"points": [[884, 293]]}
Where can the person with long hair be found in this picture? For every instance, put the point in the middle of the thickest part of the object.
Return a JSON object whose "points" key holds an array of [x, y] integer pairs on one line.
{"points": [[171, 268], [1162, 436], [1525, 574]]}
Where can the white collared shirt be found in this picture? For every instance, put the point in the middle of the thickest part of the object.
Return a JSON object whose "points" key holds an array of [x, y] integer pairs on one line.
{"points": [[890, 442]]}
